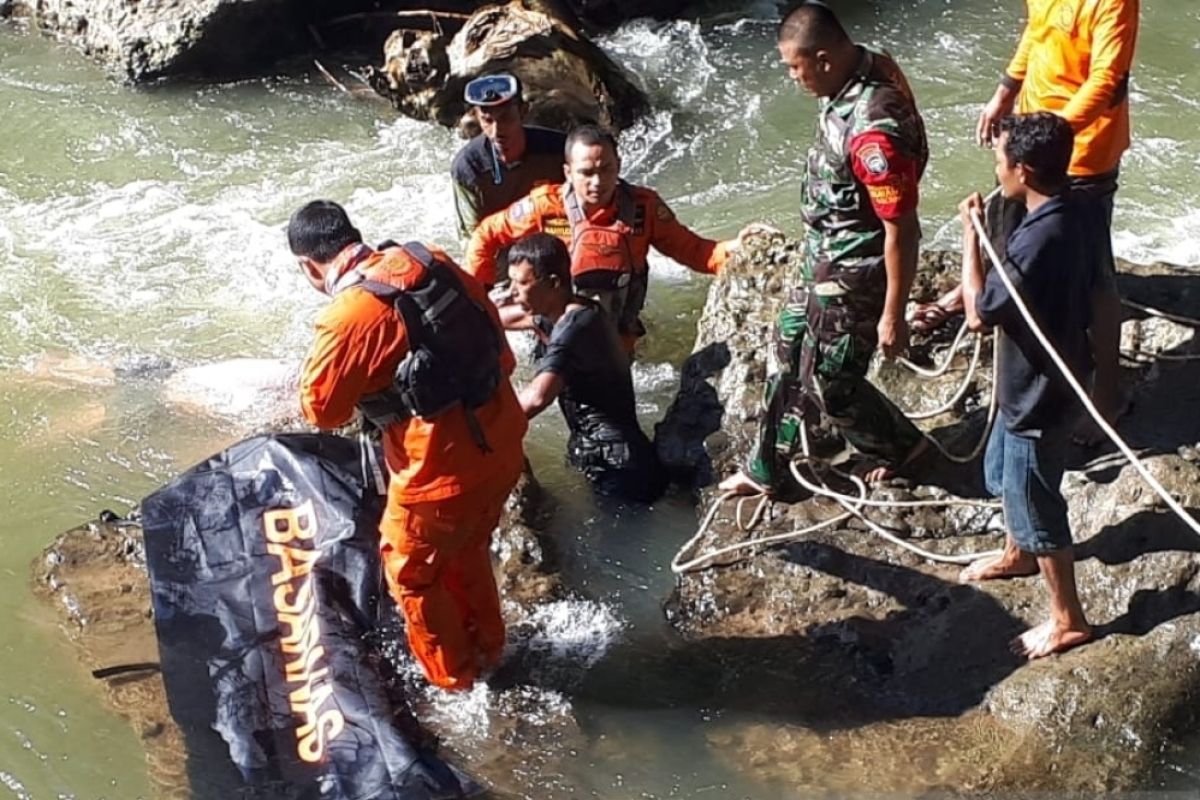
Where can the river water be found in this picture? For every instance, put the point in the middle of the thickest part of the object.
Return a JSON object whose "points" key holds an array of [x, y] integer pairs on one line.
{"points": [[141, 233]]}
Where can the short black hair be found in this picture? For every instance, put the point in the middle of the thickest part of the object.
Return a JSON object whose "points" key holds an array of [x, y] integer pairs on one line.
{"points": [[810, 26], [320, 230], [546, 254], [590, 136], [1043, 142]]}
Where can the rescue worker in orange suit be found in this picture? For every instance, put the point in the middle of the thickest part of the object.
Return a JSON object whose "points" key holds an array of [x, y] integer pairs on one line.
{"points": [[1074, 59], [508, 159], [609, 226], [451, 425]]}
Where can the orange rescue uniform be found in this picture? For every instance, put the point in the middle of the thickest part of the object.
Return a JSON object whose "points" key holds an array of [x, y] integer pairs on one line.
{"points": [[544, 210], [1074, 59], [445, 494]]}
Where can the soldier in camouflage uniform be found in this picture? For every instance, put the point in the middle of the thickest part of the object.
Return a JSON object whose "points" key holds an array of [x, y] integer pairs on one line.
{"points": [[860, 248]]}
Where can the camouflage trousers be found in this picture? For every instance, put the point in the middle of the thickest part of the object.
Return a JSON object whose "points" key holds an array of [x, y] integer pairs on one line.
{"points": [[824, 339]]}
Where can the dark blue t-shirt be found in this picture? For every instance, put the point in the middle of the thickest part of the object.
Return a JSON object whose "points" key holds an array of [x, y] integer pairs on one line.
{"points": [[1051, 264], [597, 397]]}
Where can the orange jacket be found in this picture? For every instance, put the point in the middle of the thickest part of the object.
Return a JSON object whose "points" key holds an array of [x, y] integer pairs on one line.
{"points": [[360, 341], [543, 210], [1074, 59]]}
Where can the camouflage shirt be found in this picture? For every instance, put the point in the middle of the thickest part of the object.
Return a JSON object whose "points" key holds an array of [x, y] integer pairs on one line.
{"points": [[844, 230]]}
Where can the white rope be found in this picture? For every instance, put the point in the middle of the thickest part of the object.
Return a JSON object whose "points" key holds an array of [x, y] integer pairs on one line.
{"points": [[1108, 429], [853, 505], [962, 387], [944, 367]]}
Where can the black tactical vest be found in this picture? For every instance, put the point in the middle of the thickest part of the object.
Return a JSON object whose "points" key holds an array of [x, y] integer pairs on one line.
{"points": [[453, 349]]}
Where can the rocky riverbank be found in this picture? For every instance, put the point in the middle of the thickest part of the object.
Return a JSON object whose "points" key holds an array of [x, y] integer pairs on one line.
{"points": [[863, 659]]}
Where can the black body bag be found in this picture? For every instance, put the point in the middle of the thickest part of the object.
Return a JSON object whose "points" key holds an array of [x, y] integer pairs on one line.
{"points": [[265, 578]]}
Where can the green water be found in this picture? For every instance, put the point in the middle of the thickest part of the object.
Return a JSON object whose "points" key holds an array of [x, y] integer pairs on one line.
{"points": [[142, 230]]}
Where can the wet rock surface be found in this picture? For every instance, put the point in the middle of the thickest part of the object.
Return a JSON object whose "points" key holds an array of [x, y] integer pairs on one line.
{"points": [[856, 652]]}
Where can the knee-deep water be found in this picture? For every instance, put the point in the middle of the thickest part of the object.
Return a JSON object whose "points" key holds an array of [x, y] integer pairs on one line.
{"points": [[141, 233]]}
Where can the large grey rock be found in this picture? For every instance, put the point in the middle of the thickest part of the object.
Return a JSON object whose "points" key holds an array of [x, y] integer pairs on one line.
{"points": [[148, 39], [871, 669]]}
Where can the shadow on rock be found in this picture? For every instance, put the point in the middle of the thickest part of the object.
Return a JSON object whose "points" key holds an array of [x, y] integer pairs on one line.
{"points": [[916, 661], [1143, 533]]}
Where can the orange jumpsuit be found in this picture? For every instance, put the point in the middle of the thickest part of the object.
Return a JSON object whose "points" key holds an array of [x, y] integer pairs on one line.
{"points": [[544, 210], [445, 495], [1074, 59]]}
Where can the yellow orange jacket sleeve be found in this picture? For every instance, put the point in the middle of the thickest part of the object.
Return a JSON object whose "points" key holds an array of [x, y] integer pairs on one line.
{"points": [[675, 240], [504, 228]]}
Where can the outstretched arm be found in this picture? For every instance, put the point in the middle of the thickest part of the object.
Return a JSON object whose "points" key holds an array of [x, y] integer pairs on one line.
{"points": [[540, 392], [677, 241]]}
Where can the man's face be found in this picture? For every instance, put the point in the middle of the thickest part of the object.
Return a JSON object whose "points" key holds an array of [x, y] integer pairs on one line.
{"points": [[534, 295], [593, 171], [502, 125], [809, 70], [1007, 173]]}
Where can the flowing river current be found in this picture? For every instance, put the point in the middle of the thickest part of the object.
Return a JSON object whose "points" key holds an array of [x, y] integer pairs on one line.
{"points": [[141, 232]]}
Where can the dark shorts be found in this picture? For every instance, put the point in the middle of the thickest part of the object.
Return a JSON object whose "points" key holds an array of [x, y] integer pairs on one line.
{"points": [[1096, 193], [1026, 474]]}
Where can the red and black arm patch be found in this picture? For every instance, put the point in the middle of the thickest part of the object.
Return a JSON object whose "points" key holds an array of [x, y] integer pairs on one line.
{"points": [[889, 176]]}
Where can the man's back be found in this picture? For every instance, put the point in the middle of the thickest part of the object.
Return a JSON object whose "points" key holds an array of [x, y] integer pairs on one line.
{"points": [[360, 342]]}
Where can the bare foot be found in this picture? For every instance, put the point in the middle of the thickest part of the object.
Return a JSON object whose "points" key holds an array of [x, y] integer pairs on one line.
{"points": [[741, 483], [885, 472], [1012, 563], [1049, 638]]}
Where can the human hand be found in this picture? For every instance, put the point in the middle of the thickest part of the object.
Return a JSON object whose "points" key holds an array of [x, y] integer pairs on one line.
{"points": [[999, 107], [971, 205], [893, 335]]}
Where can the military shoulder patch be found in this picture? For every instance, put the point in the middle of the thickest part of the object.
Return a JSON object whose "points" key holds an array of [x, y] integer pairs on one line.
{"points": [[520, 210], [873, 159]]}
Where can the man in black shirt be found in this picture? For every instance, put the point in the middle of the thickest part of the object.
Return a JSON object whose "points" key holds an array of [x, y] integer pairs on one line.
{"points": [[501, 165], [581, 362], [1050, 263]]}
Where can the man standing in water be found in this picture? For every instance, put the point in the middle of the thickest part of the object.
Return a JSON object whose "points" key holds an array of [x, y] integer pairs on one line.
{"points": [[1074, 59], [859, 202], [580, 361], [504, 162], [411, 340], [1049, 264], [609, 226]]}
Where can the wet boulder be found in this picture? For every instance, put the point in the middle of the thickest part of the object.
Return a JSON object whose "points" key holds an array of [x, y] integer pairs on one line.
{"points": [[873, 669], [567, 79], [143, 40]]}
